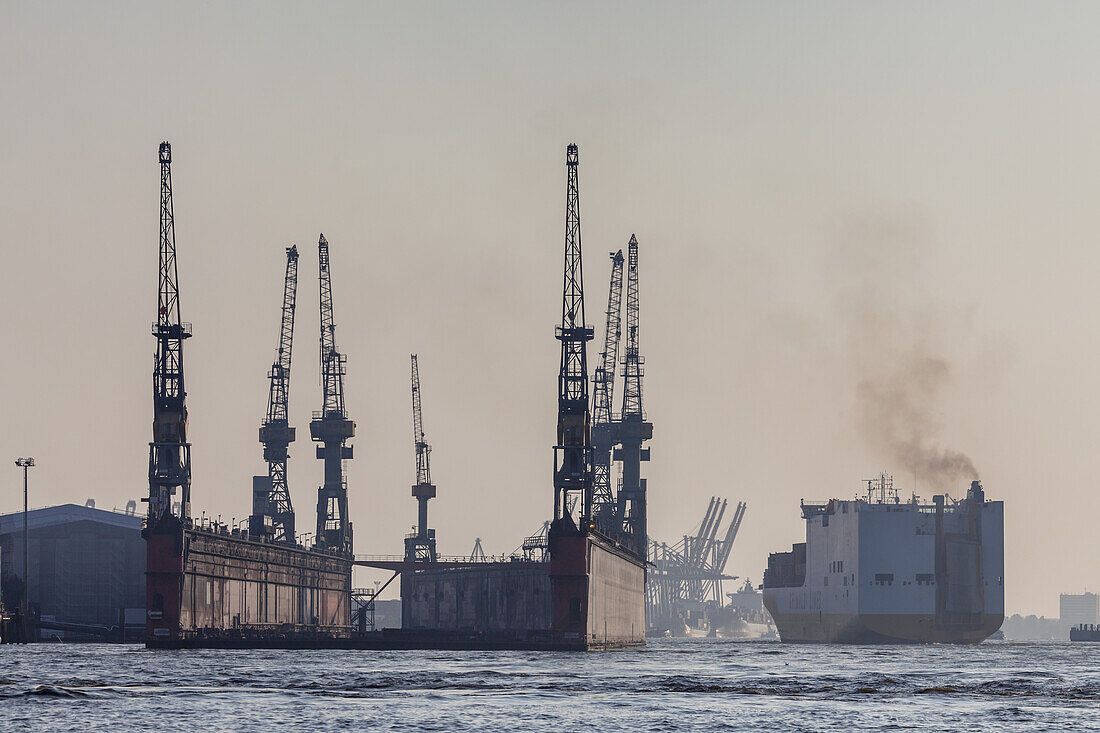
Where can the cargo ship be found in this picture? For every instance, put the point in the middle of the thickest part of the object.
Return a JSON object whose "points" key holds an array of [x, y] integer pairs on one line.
{"points": [[878, 570]]}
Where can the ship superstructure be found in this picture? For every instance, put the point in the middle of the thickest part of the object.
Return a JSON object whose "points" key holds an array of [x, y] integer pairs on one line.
{"points": [[882, 570]]}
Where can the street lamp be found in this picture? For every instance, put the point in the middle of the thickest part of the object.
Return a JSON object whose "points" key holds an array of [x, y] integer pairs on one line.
{"points": [[24, 610]]}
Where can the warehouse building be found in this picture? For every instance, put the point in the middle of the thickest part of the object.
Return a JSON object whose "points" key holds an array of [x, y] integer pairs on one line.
{"points": [[87, 565]]}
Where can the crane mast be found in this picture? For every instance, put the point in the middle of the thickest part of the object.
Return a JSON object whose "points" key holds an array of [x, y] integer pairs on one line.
{"points": [[330, 426], [169, 451], [603, 391], [573, 451], [420, 545], [272, 511], [634, 429]]}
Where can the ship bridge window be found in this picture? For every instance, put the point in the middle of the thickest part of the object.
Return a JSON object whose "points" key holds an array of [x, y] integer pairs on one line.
{"points": [[884, 578], [926, 578]]}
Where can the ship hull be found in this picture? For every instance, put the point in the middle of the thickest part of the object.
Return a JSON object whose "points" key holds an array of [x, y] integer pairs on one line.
{"points": [[207, 586], [899, 628]]}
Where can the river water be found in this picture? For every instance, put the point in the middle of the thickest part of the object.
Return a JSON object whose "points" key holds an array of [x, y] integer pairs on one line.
{"points": [[671, 685]]}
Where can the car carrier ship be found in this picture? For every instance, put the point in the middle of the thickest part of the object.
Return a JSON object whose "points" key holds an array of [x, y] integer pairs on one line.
{"points": [[878, 570]]}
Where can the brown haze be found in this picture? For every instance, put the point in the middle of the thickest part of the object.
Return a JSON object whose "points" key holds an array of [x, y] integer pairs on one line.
{"points": [[896, 342], [897, 415]]}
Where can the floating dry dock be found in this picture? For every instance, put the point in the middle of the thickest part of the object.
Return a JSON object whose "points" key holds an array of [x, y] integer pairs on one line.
{"points": [[209, 586]]}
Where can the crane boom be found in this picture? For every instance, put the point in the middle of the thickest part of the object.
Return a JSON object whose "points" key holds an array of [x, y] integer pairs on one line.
{"points": [[731, 535], [603, 392], [420, 545], [272, 511], [330, 426], [632, 362], [603, 381], [420, 445], [169, 451]]}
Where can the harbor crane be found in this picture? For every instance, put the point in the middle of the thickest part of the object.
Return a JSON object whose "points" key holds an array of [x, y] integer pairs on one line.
{"points": [[604, 429], [169, 451], [272, 511], [634, 429], [330, 426], [420, 545], [573, 451]]}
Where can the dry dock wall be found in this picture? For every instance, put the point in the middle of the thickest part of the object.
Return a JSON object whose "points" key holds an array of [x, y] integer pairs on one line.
{"points": [[493, 597], [205, 583], [598, 592], [590, 593]]}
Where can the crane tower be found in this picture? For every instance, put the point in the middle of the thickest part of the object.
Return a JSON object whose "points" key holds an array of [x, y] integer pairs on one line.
{"points": [[272, 511], [573, 452], [169, 451], [634, 428], [330, 426], [420, 546]]}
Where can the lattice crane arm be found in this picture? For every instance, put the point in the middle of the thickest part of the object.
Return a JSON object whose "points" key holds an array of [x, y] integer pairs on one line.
{"points": [[420, 444], [632, 361], [333, 363], [603, 381], [278, 396]]}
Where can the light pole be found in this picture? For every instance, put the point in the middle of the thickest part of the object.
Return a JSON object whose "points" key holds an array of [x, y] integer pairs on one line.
{"points": [[24, 611]]}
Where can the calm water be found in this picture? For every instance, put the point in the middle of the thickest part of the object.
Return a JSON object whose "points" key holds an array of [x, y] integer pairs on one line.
{"points": [[672, 685]]}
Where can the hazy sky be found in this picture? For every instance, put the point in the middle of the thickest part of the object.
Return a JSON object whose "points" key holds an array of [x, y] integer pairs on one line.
{"points": [[827, 196]]}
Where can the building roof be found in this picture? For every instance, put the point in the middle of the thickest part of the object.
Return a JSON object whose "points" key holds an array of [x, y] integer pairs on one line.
{"points": [[66, 514]]}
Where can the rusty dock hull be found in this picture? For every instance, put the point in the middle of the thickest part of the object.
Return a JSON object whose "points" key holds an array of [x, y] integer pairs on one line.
{"points": [[597, 591], [204, 589], [589, 596]]}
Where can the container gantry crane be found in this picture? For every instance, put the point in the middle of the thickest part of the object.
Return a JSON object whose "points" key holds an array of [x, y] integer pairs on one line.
{"points": [[420, 545], [633, 427], [573, 451], [331, 427], [169, 451], [604, 427], [272, 511]]}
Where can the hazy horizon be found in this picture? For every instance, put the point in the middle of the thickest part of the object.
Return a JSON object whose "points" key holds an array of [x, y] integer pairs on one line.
{"points": [[867, 242]]}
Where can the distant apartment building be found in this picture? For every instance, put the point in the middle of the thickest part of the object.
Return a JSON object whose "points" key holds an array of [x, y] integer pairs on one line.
{"points": [[86, 565], [1079, 608]]}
